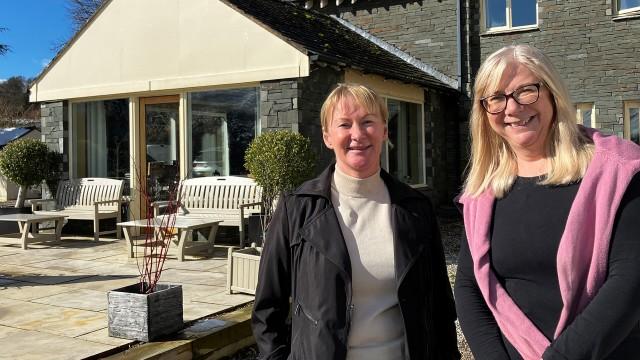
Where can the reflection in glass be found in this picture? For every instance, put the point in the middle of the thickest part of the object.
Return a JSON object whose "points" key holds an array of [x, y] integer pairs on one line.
{"points": [[496, 13], [101, 139], [161, 131], [634, 126], [223, 123], [523, 12], [404, 148], [628, 4]]}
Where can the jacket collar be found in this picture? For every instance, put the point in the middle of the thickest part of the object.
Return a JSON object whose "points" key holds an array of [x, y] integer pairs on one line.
{"points": [[321, 186]]}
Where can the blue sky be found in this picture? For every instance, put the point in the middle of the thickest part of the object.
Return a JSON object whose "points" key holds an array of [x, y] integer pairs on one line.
{"points": [[33, 28]]}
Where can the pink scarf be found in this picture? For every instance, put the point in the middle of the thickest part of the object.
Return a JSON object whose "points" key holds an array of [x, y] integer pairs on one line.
{"points": [[583, 251]]}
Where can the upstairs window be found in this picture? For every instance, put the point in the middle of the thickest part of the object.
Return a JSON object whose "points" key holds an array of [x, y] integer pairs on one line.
{"points": [[627, 6], [510, 14], [632, 121], [586, 115]]}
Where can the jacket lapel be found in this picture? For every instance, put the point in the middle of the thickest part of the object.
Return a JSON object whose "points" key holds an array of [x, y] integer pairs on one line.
{"points": [[406, 244], [324, 234]]}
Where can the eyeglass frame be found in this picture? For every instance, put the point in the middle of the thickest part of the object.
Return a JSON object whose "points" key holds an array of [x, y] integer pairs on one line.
{"points": [[510, 95]]}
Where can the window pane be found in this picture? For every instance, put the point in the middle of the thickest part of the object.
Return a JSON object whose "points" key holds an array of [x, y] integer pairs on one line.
{"points": [[523, 12], [495, 11], [627, 4], [223, 124], [405, 152], [634, 126], [586, 117], [100, 125]]}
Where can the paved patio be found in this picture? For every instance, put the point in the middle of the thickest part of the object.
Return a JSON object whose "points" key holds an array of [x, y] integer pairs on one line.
{"points": [[53, 297]]}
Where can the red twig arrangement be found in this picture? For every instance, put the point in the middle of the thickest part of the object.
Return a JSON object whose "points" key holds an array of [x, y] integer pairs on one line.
{"points": [[158, 233]]}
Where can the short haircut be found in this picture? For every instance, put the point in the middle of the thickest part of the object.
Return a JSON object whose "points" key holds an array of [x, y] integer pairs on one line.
{"points": [[364, 96], [492, 163]]}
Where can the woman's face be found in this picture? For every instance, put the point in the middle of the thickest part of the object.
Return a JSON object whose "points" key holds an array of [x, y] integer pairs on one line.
{"points": [[355, 135], [524, 127]]}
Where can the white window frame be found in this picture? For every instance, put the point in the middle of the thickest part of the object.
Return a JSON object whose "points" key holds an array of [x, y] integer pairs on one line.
{"points": [[620, 11], [508, 27], [627, 116], [385, 148], [586, 106]]}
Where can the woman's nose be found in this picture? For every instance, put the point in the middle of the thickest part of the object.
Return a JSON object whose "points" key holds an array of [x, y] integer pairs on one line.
{"points": [[357, 132], [512, 106]]}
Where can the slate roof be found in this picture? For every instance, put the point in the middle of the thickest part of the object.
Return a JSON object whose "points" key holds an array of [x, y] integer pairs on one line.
{"points": [[324, 36]]}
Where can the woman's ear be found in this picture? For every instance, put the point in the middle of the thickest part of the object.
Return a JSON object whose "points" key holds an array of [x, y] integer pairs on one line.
{"points": [[327, 140]]}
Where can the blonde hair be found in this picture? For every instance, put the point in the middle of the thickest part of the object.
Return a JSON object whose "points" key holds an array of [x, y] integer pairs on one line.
{"points": [[492, 162], [364, 96]]}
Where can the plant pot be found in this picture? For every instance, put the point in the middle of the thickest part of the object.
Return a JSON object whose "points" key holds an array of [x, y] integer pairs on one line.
{"points": [[242, 270], [145, 317]]}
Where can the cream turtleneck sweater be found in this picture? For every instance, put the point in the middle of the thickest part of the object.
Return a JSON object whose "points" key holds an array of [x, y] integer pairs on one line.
{"points": [[364, 212]]}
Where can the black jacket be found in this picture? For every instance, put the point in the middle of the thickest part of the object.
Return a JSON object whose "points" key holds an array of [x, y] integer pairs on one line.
{"points": [[305, 259]]}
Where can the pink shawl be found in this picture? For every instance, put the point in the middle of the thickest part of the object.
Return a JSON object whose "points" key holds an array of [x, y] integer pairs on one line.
{"points": [[583, 250]]}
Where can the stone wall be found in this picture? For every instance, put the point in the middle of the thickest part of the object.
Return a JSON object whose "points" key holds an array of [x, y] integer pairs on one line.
{"points": [[314, 89], [55, 130], [595, 51], [424, 29], [279, 105]]}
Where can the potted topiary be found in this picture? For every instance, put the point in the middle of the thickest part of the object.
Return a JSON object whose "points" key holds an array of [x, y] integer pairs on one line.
{"points": [[278, 161], [28, 162]]}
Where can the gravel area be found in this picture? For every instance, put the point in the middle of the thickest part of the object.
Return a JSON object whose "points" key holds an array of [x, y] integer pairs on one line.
{"points": [[452, 231]]}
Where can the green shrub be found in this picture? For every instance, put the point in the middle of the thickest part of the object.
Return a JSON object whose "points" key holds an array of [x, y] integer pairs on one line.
{"points": [[279, 161], [27, 162]]}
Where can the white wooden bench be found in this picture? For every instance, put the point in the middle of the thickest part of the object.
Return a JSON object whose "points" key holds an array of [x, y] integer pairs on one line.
{"points": [[86, 199], [228, 199]]}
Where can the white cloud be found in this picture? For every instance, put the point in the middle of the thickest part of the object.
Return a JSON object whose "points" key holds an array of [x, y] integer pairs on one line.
{"points": [[2, 80]]}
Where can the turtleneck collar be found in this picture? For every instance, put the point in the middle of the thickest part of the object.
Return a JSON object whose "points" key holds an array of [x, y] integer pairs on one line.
{"points": [[354, 187]]}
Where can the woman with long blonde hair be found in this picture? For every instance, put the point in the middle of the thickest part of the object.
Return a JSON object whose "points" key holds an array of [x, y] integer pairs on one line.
{"points": [[550, 267]]}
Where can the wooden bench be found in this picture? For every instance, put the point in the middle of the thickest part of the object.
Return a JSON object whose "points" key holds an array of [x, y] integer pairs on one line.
{"points": [[228, 199], [86, 199]]}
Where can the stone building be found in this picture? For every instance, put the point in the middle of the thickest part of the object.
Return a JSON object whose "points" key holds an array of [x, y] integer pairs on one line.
{"points": [[181, 89]]}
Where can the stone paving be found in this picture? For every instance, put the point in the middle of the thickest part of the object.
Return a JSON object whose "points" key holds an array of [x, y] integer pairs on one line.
{"points": [[53, 297]]}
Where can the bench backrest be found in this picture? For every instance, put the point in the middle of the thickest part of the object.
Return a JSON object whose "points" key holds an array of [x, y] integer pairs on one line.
{"points": [[83, 192], [214, 193]]}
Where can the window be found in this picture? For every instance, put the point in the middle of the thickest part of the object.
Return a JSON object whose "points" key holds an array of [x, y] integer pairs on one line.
{"points": [[223, 123], [403, 156], [100, 131], [626, 6], [510, 14], [632, 121], [586, 114]]}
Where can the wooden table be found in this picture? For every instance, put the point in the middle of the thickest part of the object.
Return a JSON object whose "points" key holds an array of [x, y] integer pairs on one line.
{"points": [[184, 225], [31, 233]]}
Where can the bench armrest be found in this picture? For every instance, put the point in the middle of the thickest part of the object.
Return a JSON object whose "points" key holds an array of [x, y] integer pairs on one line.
{"points": [[158, 204], [242, 206], [36, 204]]}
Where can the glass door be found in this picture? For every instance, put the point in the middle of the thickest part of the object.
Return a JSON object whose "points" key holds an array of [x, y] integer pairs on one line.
{"points": [[160, 140]]}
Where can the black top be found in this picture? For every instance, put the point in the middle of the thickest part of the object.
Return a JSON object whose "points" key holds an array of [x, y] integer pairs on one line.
{"points": [[526, 230]]}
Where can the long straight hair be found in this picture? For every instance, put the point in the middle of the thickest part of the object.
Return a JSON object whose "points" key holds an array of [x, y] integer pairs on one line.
{"points": [[492, 163]]}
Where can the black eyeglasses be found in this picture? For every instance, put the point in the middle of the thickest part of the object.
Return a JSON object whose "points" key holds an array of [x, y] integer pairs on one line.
{"points": [[524, 95]]}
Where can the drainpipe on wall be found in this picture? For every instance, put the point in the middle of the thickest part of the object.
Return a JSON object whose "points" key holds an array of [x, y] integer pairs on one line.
{"points": [[459, 41]]}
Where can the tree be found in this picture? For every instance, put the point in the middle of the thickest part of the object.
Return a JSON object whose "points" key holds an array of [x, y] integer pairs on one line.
{"points": [[4, 48], [27, 162], [14, 101], [81, 11]]}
